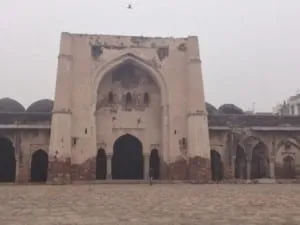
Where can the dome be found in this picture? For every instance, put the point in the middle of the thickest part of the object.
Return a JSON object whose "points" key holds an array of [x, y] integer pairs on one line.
{"points": [[10, 105], [230, 109], [43, 105], [210, 108]]}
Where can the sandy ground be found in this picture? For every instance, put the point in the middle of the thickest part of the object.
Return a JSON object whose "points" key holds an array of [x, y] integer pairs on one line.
{"points": [[159, 204]]}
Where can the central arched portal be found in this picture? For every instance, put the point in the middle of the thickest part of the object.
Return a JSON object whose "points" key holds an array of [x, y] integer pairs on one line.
{"points": [[127, 159]]}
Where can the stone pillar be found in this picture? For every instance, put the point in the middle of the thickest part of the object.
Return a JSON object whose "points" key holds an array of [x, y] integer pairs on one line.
{"points": [[197, 125], [272, 167], [146, 166], [233, 166], [59, 169], [165, 153], [248, 169], [108, 167]]}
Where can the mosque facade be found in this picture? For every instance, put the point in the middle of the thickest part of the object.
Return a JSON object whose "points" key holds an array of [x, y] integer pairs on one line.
{"points": [[125, 104]]}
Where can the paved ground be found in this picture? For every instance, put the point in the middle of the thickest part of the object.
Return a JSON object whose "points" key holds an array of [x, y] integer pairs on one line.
{"points": [[141, 204]]}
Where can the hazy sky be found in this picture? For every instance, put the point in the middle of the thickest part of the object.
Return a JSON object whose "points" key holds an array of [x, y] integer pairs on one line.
{"points": [[250, 49]]}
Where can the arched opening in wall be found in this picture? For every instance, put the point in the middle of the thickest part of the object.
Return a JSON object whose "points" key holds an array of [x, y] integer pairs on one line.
{"points": [[155, 163], [289, 171], [146, 98], [127, 160], [240, 164], [110, 98], [101, 165], [7, 161], [39, 166], [216, 166], [128, 99], [259, 162]]}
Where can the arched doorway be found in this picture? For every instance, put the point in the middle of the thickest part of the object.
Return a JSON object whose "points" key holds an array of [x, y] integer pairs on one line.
{"points": [[127, 159], [288, 169], [101, 165], [7, 161], [39, 166], [240, 164], [155, 163], [259, 162], [216, 166]]}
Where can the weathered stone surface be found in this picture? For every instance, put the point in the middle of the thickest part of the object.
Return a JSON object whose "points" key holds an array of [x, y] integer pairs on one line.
{"points": [[199, 169], [178, 170], [228, 173], [84, 171], [280, 173], [23, 174], [195, 169], [164, 171], [59, 171]]}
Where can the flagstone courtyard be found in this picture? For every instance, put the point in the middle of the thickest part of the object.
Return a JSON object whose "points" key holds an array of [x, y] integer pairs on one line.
{"points": [[140, 204]]}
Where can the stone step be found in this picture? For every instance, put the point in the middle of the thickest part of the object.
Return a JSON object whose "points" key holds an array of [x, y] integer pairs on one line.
{"points": [[131, 182], [266, 181]]}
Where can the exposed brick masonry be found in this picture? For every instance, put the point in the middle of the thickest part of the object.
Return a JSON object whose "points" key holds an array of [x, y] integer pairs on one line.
{"points": [[85, 170], [59, 171]]}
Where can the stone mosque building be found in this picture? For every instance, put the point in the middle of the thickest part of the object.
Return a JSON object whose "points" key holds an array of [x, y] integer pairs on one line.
{"points": [[126, 104]]}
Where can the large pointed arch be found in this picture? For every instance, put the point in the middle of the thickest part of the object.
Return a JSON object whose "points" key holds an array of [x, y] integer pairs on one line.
{"points": [[260, 161], [127, 160], [137, 61]]}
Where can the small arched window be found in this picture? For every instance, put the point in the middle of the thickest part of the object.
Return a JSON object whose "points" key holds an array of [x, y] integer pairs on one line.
{"points": [[128, 98], [110, 97], [146, 98], [183, 141]]}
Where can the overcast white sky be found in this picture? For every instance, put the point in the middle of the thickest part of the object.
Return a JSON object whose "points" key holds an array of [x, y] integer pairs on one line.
{"points": [[250, 49]]}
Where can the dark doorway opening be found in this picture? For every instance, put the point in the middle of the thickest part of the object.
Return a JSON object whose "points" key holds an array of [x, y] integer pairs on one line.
{"points": [[216, 166], [101, 165], [127, 159], [259, 162], [240, 164], [7, 161], [289, 171], [39, 166], [155, 163]]}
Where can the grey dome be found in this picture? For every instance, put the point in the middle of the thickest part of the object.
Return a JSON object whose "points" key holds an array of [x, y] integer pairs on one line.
{"points": [[10, 105], [43, 105], [230, 109], [210, 108]]}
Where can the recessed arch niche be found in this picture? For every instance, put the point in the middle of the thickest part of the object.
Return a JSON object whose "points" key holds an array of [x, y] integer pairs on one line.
{"points": [[287, 158], [126, 75], [7, 160]]}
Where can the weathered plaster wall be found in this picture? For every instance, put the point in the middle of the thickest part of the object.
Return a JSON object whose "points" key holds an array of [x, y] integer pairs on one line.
{"points": [[163, 55], [276, 144], [173, 65], [25, 143], [279, 145]]}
